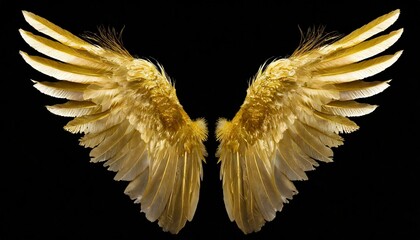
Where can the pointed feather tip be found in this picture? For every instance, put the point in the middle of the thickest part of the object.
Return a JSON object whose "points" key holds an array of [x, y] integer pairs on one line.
{"points": [[393, 15], [26, 35], [398, 54], [27, 15], [34, 81], [386, 84], [396, 12], [37, 85], [24, 32], [34, 20], [397, 33], [24, 55]]}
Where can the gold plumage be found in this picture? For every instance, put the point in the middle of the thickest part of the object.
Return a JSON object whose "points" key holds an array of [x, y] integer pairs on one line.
{"points": [[129, 114], [293, 114]]}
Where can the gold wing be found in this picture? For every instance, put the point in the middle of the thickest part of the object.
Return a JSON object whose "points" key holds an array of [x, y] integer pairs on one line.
{"points": [[129, 114], [293, 114]]}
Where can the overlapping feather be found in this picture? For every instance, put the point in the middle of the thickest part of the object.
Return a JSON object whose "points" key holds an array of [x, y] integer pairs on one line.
{"points": [[293, 114], [129, 114]]}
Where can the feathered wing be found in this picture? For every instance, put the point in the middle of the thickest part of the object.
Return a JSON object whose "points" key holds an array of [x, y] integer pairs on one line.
{"points": [[128, 112], [293, 114]]}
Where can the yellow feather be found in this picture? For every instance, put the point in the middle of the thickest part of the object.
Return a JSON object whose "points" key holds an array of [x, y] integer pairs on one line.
{"points": [[293, 114], [93, 139], [129, 114], [54, 31], [87, 123], [62, 71], [62, 89], [112, 143], [348, 108], [356, 71], [360, 51], [61, 52], [73, 108], [372, 28], [135, 188], [260, 170], [360, 89]]}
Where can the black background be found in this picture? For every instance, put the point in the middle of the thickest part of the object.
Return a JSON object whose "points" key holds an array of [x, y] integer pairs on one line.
{"points": [[50, 190]]}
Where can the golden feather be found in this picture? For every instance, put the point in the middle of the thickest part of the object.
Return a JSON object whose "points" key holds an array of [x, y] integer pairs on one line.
{"points": [[130, 116], [293, 114]]}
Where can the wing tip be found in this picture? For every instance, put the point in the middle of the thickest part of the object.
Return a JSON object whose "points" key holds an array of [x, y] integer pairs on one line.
{"points": [[25, 34], [35, 84], [24, 55], [397, 33], [396, 56], [392, 15], [396, 12], [28, 15], [398, 53]]}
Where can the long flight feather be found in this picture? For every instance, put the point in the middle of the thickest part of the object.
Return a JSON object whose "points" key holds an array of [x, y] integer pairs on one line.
{"points": [[61, 52], [73, 108], [59, 34], [63, 71], [372, 28], [348, 108], [357, 71], [62, 89], [360, 51], [360, 89]]}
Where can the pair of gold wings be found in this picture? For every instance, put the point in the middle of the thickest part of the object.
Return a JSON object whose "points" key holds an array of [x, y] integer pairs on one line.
{"points": [[293, 114]]}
